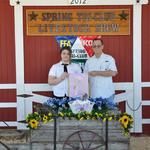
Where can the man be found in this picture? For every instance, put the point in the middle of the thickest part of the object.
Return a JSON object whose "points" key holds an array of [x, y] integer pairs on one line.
{"points": [[101, 68]]}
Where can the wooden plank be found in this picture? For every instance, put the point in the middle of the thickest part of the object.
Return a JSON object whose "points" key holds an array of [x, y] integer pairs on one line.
{"points": [[45, 22]]}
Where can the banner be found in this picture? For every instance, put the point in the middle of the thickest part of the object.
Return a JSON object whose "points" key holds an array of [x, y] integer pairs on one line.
{"points": [[78, 22], [81, 47], [66, 40], [78, 85]]}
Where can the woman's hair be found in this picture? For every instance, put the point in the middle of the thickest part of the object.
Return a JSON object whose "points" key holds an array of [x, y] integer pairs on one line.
{"points": [[66, 48]]}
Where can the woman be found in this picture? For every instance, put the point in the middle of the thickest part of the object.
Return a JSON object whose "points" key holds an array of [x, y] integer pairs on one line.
{"points": [[59, 73]]}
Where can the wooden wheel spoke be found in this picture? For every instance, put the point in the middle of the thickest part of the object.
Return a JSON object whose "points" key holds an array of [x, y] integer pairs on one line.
{"points": [[86, 140], [69, 144], [81, 141], [90, 143]]}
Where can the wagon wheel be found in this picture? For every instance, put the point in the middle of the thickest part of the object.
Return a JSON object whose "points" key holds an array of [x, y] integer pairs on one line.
{"points": [[83, 140]]}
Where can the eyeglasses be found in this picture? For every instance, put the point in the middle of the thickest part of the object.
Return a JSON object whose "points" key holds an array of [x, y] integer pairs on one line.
{"points": [[96, 46]]}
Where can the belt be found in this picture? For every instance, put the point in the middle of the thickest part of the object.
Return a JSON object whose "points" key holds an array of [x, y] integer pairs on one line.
{"points": [[60, 97]]}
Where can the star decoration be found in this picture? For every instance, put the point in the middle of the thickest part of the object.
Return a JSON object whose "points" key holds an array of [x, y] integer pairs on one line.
{"points": [[123, 15], [33, 16]]}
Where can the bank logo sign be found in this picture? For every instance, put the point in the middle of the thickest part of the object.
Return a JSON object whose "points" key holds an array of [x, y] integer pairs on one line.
{"points": [[81, 47]]}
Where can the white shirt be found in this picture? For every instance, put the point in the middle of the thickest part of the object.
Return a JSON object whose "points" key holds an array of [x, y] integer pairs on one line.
{"points": [[56, 70], [101, 86]]}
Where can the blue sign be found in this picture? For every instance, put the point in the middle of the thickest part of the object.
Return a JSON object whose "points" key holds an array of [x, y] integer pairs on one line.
{"points": [[66, 40]]}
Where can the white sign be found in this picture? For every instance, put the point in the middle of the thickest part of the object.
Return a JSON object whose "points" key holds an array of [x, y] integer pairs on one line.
{"points": [[78, 2], [75, 2]]}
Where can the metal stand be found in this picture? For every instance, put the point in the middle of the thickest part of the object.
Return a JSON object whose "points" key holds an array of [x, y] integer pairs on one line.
{"points": [[4, 145], [106, 135], [55, 131]]}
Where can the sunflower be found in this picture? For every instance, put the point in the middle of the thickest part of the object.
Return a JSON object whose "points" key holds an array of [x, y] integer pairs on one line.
{"points": [[45, 119], [36, 113], [33, 123], [104, 119], [82, 118], [131, 120], [61, 114], [124, 120], [50, 114], [110, 118]]}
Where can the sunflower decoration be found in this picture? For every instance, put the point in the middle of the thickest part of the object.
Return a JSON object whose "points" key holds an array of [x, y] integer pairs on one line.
{"points": [[99, 113], [45, 119], [33, 123], [126, 122], [33, 120]]}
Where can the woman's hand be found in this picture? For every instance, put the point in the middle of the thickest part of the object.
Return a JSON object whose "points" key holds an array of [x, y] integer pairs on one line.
{"points": [[53, 80], [64, 76]]}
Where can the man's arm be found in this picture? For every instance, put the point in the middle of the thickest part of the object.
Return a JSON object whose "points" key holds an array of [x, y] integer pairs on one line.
{"points": [[108, 73]]}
